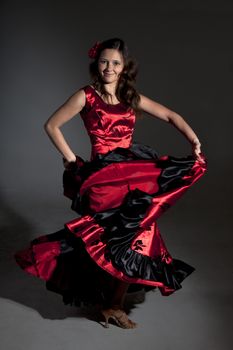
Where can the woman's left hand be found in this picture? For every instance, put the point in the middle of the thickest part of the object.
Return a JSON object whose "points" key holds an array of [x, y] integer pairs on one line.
{"points": [[196, 150]]}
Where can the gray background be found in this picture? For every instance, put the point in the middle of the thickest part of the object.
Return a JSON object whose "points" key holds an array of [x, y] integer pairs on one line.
{"points": [[184, 50]]}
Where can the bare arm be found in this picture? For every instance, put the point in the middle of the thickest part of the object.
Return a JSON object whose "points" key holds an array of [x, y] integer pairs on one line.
{"points": [[155, 109], [63, 114]]}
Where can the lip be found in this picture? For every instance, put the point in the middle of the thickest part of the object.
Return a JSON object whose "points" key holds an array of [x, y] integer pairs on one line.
{"points": [[108, 74]]}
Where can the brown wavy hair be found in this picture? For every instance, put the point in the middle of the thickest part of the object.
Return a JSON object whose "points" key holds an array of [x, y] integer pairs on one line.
{"points": [[125, 91]]}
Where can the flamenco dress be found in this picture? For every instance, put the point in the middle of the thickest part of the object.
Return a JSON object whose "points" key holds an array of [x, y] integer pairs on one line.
{"points": [[118, 195]]}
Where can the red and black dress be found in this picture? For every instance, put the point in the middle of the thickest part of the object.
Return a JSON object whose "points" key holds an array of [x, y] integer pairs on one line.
{"points": [[119, 193]]}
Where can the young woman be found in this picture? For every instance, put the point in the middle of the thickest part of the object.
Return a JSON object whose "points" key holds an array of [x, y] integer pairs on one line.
{"points": [[115, 244]]}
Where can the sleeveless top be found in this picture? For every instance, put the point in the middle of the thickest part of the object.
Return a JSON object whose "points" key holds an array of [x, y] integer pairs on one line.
{"points": [[108, 125]]}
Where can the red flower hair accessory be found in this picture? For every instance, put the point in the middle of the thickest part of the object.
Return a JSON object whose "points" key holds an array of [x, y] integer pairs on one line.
{"points": [[92, 53]]}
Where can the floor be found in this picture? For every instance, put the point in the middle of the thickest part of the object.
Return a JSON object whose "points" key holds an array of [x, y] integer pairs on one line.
{"points": [[198, 316]]}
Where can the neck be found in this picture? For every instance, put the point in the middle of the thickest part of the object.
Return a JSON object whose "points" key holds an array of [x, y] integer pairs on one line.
{"points": [[110, 88]]}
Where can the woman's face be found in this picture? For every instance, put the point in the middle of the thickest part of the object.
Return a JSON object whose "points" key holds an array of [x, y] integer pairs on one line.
{"points": [[110, 65]]}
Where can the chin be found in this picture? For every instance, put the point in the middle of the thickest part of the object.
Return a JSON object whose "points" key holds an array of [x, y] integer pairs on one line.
{"points": [[109, 79]]}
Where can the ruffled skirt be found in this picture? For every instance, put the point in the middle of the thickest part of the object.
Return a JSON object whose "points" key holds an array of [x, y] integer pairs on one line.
{"points": [[118, 197]]}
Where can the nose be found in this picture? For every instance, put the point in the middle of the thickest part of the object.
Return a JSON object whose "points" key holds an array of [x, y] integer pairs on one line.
{"points": [[109, 66]]}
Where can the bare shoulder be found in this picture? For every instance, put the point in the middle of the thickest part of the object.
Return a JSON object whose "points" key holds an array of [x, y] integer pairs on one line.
{"points": [[71, 107], [154, 108], [77, 100]]}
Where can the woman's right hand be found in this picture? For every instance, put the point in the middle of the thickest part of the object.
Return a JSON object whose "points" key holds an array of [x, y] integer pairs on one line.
{"points": [[68, 164]]}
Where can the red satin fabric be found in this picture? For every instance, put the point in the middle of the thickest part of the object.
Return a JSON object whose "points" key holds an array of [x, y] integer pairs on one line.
{"points": [[111, 126], [108, 126], [107, 189], [39, 259]]}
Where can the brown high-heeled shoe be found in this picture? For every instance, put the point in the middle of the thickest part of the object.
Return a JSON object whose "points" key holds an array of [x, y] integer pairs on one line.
{"points": [[119, 316]]}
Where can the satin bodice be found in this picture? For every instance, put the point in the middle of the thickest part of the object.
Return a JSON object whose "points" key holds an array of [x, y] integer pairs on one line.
{"points": [[108, 126]]}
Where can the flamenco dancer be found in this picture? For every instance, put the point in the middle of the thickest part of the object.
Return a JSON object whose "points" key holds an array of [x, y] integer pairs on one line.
{"points": [[119, 193]]}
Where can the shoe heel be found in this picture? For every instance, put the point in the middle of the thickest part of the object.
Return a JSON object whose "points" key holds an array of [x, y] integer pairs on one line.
{"points": [[106, 324]]}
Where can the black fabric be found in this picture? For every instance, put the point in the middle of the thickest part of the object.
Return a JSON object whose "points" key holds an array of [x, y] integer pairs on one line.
{"points": [[120, 225], [173, 169], [77, 277]]}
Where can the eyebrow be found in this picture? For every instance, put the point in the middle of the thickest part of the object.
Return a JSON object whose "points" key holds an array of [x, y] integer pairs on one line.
{"points": [[102, 58]]}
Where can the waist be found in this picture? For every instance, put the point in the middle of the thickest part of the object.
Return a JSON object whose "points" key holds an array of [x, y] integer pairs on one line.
{"points": [[103, 149]]}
